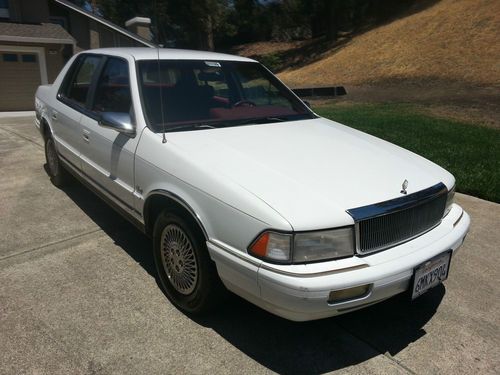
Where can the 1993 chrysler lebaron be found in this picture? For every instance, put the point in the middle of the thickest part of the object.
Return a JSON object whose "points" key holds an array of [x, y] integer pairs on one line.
{"points": [[241, 185]]}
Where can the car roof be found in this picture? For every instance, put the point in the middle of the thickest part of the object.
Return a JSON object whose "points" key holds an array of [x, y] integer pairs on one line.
{"points": [[145, 53]]}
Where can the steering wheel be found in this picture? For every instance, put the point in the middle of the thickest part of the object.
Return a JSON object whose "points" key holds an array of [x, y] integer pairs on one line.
{"points": [[246, 103]]}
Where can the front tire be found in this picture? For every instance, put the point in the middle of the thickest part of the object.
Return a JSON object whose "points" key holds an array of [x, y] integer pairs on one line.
{"points": [[187, 274], [58, 175]]}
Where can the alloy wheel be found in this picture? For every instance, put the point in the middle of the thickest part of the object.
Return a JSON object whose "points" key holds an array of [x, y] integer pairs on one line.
{"points": [[179, 259]]}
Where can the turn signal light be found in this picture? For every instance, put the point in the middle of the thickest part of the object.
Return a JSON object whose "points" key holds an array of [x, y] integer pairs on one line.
{"points": [[343, 295], [272, 245]]}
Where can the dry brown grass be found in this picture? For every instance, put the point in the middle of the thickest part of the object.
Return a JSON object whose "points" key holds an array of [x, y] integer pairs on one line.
{"points": [[452, 40], [265, 48]]}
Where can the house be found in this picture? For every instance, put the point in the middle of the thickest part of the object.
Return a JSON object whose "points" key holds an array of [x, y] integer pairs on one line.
{"points": [[37, 37]]}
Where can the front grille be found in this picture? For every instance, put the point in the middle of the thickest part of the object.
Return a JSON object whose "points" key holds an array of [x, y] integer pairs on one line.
{"points": [[387, 224]]}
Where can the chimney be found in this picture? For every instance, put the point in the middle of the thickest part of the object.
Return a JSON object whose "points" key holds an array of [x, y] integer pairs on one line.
{"points": [[140, 26]]}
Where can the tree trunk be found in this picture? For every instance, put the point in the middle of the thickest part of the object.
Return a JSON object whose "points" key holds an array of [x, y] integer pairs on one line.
{"points": [[205, 34], [210, 33], [331, 20]]}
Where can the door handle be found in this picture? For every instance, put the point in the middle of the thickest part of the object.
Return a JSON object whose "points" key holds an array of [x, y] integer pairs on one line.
{"points": [[86, 135], [54, 115]]}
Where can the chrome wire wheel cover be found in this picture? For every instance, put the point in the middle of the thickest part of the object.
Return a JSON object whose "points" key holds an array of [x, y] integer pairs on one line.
{"points": [[52, 158], [178, 259]]}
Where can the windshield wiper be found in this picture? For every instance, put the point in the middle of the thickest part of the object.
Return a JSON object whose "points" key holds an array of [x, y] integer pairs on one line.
{"points": [[225, 123], [260, 120], [191, 126]]}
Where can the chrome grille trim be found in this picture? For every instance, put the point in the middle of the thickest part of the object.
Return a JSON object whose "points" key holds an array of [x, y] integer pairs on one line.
{"points": [[387, 224]]}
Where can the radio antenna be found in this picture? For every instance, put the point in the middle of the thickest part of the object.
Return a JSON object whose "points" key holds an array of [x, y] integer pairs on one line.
{"points": [[164, 139]]}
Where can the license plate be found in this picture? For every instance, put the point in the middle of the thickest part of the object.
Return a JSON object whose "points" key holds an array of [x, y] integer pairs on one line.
{"points": [[431, 273]]}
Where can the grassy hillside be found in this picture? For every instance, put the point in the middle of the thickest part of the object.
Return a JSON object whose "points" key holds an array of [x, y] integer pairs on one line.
{"points": [[448, 41]]}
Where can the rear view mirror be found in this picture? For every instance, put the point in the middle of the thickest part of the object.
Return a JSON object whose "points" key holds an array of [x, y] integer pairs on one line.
{"points": [[119, 121], [211, 77]]}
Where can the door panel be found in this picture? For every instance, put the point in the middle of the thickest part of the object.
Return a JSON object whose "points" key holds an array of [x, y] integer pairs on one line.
{"points": [[66, 127], [108, 159], [107, 155], [66, 115]]}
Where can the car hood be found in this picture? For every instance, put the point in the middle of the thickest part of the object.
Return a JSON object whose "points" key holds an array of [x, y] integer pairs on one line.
{"points": [[309, 171]]}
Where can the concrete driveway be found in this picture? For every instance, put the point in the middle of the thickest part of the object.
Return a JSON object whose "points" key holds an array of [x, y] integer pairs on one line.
{"points": [[78, 295]]}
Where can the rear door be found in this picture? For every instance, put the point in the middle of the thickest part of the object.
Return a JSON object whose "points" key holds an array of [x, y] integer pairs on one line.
{"points": [[67, 110], [107, 155]]}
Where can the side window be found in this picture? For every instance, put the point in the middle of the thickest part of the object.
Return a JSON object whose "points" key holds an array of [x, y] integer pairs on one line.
{"points": [[78, 88], [113, 88]]}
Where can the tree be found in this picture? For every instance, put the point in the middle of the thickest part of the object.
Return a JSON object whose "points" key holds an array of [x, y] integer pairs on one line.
{"points": [[207, 24], [205, 17]]}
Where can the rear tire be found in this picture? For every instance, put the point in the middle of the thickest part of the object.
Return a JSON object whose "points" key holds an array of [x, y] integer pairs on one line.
{"points": [[58, 175], [187, 274]]}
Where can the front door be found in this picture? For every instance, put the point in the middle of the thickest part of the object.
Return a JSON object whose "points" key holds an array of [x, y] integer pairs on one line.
{"points": [[108, 156]]}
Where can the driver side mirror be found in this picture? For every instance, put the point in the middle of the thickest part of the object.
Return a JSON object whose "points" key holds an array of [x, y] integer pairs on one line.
{"points": [[119, 121]]}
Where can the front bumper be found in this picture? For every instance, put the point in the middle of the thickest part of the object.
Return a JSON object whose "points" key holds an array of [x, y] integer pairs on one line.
{"points": [[301, 292]]}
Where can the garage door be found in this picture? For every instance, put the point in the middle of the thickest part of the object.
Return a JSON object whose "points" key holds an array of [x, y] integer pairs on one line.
{"points": [[19, 79]]}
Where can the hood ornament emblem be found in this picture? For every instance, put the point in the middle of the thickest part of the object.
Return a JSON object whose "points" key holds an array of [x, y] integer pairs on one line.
{"points": [[404, 186]]}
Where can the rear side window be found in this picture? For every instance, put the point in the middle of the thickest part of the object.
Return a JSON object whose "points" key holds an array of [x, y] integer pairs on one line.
{"points": [[113, 87], [79, 85]]}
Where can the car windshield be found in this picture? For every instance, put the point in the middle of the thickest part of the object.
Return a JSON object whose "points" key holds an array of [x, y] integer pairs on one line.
{"points": [[199, 94]]}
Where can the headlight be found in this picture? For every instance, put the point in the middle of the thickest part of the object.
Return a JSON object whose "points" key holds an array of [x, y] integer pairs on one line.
{"points": [[449, 200], [304, 247], [328, 244]]}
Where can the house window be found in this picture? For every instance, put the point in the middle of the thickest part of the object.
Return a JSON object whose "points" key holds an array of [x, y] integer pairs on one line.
{"points": [[9, 57], [4, 9], [28, 58]]}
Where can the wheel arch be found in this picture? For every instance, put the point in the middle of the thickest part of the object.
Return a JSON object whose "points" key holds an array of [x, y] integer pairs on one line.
{"points": [[160, 200], [45, 129]]}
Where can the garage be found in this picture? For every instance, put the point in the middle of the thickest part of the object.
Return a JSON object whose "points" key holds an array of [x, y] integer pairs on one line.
{"points": [[20, 74], [30, 55]]}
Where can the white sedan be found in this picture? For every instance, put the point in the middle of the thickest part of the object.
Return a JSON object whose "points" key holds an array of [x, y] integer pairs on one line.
{"points": [[241, 185]]}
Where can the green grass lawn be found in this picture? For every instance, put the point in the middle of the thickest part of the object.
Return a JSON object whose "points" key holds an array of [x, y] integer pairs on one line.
{"points": [[470, 152]]}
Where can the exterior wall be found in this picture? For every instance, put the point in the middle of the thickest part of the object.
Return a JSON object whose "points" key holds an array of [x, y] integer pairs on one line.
{"points": [[106, 37], [94, 35], [29, 11], [34, 11], [127, 42], [89, 33], [79, 29], [15, 13], [55, 60]]}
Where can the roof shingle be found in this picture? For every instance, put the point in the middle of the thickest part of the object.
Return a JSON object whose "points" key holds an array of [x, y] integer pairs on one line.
{"points": [[45, 32]]}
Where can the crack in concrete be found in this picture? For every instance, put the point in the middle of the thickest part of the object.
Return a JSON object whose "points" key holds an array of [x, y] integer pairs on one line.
{"points": [[22, 136], [385, 354], [27, 251]]}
